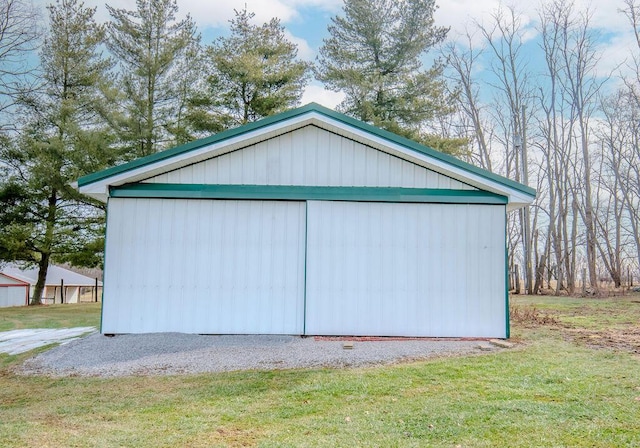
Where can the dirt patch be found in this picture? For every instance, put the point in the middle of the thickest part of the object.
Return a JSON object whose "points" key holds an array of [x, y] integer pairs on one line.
{"points": [[612, 323], [627, 339]]}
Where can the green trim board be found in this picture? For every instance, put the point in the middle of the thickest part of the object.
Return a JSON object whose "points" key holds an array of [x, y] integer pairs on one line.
{"points": [[309, 108], [301, 193]]}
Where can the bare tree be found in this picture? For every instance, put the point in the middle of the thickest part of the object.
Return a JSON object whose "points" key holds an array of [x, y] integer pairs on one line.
{"points": [[609, 207], [629, 168], [19, 38], [579, 58], [504, 39], [558, 148], [462, 62]]}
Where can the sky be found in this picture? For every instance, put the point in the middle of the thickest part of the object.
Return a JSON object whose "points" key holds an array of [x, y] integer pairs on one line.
{"points": [[306, 23]]}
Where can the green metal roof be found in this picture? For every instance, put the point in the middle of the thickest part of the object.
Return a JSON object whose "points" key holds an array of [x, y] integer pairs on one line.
{"points": [[312, 107]]}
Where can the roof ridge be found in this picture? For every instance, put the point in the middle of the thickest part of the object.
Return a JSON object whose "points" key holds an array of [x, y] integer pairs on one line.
{"points": [[293, 113]]}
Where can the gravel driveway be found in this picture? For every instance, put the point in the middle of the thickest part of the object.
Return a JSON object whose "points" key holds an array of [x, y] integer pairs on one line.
{"points": [[177, 353]]}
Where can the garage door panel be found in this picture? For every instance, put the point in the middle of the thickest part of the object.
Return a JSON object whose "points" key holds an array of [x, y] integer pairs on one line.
{"points": [[204, 266], [405, 269]]}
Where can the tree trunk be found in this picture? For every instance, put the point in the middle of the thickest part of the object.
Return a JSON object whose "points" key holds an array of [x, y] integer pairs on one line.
{"points": [[45, 252], [43, 265]]}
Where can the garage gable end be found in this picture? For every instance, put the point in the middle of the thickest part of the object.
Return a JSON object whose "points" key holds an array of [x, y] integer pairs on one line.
{"points": [[308, 146], [8, 280], [310, 156]]}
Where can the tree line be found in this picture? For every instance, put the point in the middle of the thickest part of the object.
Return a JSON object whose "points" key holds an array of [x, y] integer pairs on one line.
{"points": [[102, 94], [560, 126]]}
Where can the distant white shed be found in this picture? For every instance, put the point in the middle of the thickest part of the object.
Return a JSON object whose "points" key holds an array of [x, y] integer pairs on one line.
{"points": [[311, 223], [13, 291], [61, 286]]}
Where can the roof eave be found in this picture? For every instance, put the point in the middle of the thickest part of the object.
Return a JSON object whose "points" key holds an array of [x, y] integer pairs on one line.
{"points": [[97, 185]]}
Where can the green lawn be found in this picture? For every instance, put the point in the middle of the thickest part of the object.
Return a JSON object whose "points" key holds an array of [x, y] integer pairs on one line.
{"points": [[50, 316], [556, 388]]}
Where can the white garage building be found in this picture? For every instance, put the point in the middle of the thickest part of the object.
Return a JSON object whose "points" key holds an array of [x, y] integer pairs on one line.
{"points": [[61, 285], [307, 223], [13, 291]]}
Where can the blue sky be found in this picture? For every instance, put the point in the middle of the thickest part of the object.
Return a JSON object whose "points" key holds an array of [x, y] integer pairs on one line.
{"points": [[306, 24]]}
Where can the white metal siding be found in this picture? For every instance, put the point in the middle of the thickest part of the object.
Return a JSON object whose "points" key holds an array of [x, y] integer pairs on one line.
{"points": [[405, 269], [310, 156], [204, 266], [13, 295], [5, 280]]}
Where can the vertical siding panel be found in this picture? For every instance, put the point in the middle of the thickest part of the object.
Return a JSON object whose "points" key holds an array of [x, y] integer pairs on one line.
{"points": [[498, 284], [261, 159], [475, 314], [360, 167], [396, 173], [241, 165], [112, 269], [404, 269], [347, 165], [298, 152], [313, 156], [370, 166], [199, 173], [430, 179], [203, 264], [279, 164], [409, 175], [187, 175], [211, 172], [310, 156], [441, 182], [333, 153], [223, 170], [421, 178], [146, 292], [181, 251], [384, 170], [438, 249], [322, 157], [163, 178]]}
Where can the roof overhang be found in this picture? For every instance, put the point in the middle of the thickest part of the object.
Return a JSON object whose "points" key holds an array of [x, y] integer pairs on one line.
{"points": [[20, 282], [97, 185]]}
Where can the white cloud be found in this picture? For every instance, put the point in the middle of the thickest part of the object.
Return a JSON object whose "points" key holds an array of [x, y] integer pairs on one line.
{"points": [[316, 93], [217, 13], [606, 15], [617, 55], [463, 15], [305, 52]]}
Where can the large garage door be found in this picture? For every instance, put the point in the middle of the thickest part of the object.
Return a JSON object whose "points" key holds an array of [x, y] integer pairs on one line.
{"points": [[204, 266], [405, 269], [13, 295]]}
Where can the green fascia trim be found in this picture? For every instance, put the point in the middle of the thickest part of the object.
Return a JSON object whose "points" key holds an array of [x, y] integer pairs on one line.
{"points": [[312, 107], [301, 193]]}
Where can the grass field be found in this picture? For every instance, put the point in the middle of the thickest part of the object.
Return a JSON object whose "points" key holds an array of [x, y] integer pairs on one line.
{"points": [[572, 380], [50, 316]]}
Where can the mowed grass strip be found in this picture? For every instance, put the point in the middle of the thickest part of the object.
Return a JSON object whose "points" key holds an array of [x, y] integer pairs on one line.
{"points": [[548, 391], [50, 316]]}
